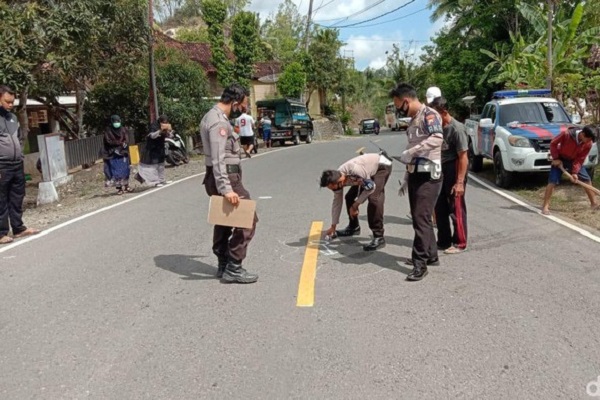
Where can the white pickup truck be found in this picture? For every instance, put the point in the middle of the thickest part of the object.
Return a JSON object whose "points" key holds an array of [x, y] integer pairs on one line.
{"points": [[515, 130]]}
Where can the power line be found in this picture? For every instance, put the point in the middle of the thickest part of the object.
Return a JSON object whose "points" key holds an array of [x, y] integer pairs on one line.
{"points": [[385, 22], [374, 18], [346, 18], [324, 5]]}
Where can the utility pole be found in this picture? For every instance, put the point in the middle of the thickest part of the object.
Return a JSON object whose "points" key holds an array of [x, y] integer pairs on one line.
{"points": [[550, 18], [152, 98], [310, 8], [308, 18]]}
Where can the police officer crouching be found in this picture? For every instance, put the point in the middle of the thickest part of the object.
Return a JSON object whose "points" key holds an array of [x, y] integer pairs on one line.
{"points": [[424, 174], [224, 177], [366, 175]]}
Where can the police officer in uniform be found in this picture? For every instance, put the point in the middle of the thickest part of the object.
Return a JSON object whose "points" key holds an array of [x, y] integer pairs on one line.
{"points": [[224, 177], [424, 173], [366, 175]]}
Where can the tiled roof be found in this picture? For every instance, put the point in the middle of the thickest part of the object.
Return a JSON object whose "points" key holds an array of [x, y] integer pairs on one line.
{"points": [[266, 68], [198, 52]]}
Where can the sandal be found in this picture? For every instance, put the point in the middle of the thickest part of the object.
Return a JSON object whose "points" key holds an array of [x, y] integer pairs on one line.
{"points": [[120, 192], [454, 250], [129, 190], [6, 239]]}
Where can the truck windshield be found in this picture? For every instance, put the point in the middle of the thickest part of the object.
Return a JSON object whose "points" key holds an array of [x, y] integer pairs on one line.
{"points": [[299, 113], [533, 113]]}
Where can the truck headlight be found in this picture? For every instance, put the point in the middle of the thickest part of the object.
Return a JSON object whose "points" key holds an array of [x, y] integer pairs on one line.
{"points": [[519, 141]]}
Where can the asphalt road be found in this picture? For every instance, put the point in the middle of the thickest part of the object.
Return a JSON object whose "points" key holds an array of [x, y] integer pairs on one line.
{"points": [[124, 304]]}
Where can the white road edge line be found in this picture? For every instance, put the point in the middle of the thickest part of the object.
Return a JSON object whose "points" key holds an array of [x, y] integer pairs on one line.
{"points": [[566, 224], [19, 242]]}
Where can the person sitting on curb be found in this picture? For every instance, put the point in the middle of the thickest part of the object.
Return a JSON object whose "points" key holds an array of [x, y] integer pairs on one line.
{"points": [[569, 150]]}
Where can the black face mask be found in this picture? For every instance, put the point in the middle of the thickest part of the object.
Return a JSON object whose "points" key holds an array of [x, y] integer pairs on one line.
{"points": [[403, 110], [236, 113]]}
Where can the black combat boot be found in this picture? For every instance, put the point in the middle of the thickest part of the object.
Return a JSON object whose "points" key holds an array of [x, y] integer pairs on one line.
{"points": [[234, 273], [221, 268], [376, 243], [417, 274], [349, 231]]}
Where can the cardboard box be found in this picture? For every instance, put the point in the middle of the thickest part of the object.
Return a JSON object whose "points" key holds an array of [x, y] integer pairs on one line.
{"points": [[222, 212]]}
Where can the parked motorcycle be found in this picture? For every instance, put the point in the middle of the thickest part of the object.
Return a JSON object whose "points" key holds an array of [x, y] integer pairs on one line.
{"points": [[175, 150]]}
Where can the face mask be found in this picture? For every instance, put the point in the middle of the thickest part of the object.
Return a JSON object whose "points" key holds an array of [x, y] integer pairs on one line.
{"points": [[116, 125], [235, 113], [403, 110]]}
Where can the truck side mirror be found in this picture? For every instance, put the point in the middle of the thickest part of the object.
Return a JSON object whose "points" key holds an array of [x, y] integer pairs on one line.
{"points": [[486, 123]]}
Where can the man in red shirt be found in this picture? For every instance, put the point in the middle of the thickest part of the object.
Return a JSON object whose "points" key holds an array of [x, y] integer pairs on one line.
{"points": [[569, 149]]}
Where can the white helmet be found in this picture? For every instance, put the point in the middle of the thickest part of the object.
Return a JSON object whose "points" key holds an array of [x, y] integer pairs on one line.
{"points": [[432, 93]]}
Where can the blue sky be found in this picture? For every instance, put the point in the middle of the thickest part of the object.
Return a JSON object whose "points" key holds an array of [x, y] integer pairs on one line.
{"points": [[409, 26]]}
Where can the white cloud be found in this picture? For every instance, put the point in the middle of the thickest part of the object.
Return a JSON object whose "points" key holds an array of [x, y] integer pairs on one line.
{"points": [[370, 51]]}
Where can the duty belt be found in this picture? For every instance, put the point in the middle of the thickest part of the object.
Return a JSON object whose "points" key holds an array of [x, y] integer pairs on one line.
{"points": [[230, 169], [233, 168]]}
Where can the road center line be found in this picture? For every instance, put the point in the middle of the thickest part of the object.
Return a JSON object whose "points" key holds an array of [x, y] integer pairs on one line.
{"points": [[306, 288]]}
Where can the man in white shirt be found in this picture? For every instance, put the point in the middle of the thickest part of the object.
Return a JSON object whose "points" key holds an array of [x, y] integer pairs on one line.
{"points": [[245, 124]]}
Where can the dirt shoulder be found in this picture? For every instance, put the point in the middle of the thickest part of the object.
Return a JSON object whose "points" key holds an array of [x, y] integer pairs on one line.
{"points": [[569, 200]]}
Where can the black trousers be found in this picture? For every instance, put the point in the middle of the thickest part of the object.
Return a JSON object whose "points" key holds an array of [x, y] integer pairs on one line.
{"points": [[228, 242], [12, 193], [422, 196], [451, 208], [376, 202]]}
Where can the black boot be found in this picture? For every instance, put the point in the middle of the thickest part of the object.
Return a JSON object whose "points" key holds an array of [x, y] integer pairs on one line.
{"points": [[222, 266], [349, 231], [234, 273], [376, 243], [417, 274]]}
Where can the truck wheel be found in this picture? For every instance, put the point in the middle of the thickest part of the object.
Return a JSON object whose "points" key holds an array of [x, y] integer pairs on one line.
{"points": [[309, 138], [475, 162], [503, 177]]}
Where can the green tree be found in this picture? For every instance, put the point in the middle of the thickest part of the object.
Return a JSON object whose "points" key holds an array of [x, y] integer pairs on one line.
{"points": [[245, 38], [198, 34], [214, 13], [58, 47], [324, 66], [292, 81], [182, 89], [283, 32]]}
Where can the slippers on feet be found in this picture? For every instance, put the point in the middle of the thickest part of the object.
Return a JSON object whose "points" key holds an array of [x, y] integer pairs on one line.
{"points": [[454, 250], [6, 240], [544, 212]]}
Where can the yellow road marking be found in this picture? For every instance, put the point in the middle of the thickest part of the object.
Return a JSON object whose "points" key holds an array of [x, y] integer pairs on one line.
{"points": [[306, 288]]}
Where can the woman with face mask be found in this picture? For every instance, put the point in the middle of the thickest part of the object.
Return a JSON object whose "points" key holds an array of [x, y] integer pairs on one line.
{"points": [[116, 155]]}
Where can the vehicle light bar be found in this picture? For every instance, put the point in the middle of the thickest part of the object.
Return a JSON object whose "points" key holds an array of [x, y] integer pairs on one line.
{"points": [[510, 94]]}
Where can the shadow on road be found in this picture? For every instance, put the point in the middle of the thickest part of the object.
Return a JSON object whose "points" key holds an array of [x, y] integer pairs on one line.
{"points": [[186, 266], [350, 252]]}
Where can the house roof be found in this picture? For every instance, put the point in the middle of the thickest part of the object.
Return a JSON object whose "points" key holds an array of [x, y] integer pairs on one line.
{"points": [[266, 68], [201, 53], [198, 52]]}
